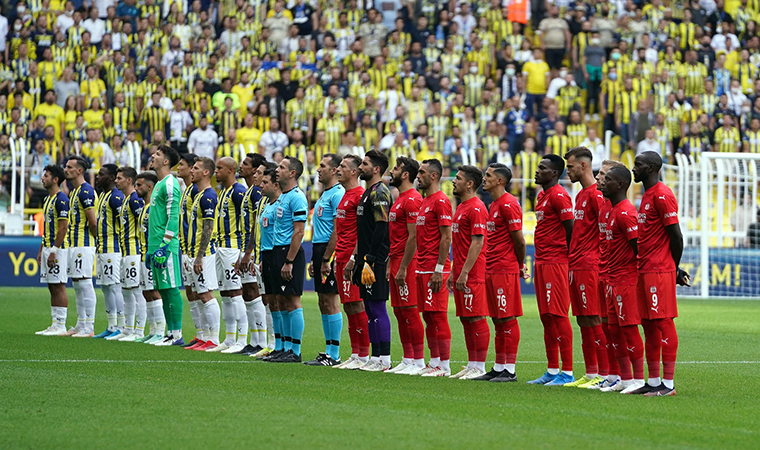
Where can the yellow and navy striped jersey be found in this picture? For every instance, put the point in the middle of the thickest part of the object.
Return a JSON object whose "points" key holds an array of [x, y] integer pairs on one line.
{"points": [[228, 217], [204, 208], [673, 117], [228, 120], [627, 102], [321, 150], [81, 199], [367, 138], [185, 207], [473, 84], [296, 151], [259, 209], [109, 223], [175, 88], [130, 217], [438, 128], [528, 163], [557, 145], [727, 140], [752, 139], [333, 128], [55, 208], [663, 137], [568, 96], [490, 146], [154, 118], [576, 134], [250, 200], [484, 114], [144, 229]]}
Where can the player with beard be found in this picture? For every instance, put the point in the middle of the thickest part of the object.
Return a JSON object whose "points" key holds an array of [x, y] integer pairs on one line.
{"points": [[505, 263], [468, 231], [402, 266], [434, 267], [372, 249]]}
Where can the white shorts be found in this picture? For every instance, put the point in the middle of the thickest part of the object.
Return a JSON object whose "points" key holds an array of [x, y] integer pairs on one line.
{"points": [[130, 271], [187, 271], [81, 262], [56, 274], [109, 269], [226, 259], [252, 276], [206, 280], [146, 279]]}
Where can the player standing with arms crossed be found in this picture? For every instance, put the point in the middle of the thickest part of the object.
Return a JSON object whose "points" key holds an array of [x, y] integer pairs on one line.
{"points": [[621, 234], [291, 212], [345, 224], [53, 255], [254, 306], [554, 228], [402, 266], [468, 231], [372, 249], [108, 262], [163, 245], [584, 266], [660, 249], [505, 265], [229, 241], [323, 248], [134, 303], [434, 267], [146, 182]]}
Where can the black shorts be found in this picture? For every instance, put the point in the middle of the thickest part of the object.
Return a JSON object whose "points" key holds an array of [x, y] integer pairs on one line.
{"points": [[329, 286], [267, 265], [295, 285], [554, 57], [378, 291]]}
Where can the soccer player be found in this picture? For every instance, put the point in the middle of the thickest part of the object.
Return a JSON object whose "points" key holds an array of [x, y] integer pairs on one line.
{"points": [[554, 228], [163, 245], [434, 267], [108, 264], [229, 239], [660, 249], [402, 266], [134, 303], [52, 257], [584, 266], [82, 229], [323, 249], [621, 234], [291, 212], [254, 306], [345, 245], [144, 185], [266, 217], [202, 247], [505, 262], [372, 248], [468, 231]]}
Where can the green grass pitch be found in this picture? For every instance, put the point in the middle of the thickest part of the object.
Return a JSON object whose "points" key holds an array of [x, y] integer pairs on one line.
{"points": [[60, 392]]}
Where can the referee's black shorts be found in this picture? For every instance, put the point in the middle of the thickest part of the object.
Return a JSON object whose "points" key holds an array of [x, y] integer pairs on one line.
{"points": [[330, 286], [295, 285], [267, 266]]}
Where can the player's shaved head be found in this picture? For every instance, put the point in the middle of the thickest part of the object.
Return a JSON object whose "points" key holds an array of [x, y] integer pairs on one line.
{"points": [[620, 174], [229, 162], [555, 162], [652, 159]]}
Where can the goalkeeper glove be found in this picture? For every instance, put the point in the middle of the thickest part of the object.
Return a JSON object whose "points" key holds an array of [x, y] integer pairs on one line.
{"points": [[368, 275], [161, 255]]}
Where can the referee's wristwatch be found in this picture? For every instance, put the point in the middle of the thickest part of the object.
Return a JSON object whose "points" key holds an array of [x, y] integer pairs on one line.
{"points": [[288, 261]]}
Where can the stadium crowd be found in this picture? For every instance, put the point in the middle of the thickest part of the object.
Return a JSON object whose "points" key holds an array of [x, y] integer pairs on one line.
{"points": [[463, 82]]}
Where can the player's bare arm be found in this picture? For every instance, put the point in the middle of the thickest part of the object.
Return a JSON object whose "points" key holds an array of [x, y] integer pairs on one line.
{"points": [[295, 243], [635, 246], [472, 255], [92, 221], [436, 280], [676, 250], [348, 270], [60, 235], [245, 259], [568, 226], [208, 230], [518, 242], [409, 249]]}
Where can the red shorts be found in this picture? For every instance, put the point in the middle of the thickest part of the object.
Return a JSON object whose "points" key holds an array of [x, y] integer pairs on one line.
{"points": [[472, 302], [430, 301], [601, 295], [407, 295], [503, 293], [583, 292], [552, 291], [622, 306], [349, 292], [657, 295]]}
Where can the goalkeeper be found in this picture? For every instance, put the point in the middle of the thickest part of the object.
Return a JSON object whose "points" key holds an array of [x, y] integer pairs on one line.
{"points": [[163, 245], [372, 248]]}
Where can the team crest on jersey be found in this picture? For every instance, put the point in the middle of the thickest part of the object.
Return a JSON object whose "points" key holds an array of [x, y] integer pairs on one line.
{"points": [[455, 228], [320, 211], [584, 203], [491, 226], [548, 285], [612, 223], [132, 264], [109, 261], [265, 222], [653, 290], [392, 217], [79, 255], [496, 214], [427, 209], [500, 291], [646, 207], [467, 290], [346, 203], [544, 205]]}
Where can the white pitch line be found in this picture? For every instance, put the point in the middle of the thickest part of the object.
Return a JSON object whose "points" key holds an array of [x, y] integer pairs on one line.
{"points": [[151, 361]]}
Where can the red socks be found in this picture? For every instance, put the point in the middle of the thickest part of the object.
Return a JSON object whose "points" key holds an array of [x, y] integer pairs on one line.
{"points": [[635, 348], [653, 346], [416, 332], [403, 333], [442, 334], [609, 349], [669, 347], [506, 341], [600, 347], [589, 350], [430, 333], [565, 334], [352, 334], [481, 339], [550, 341], [358, 332], [617, 340]]}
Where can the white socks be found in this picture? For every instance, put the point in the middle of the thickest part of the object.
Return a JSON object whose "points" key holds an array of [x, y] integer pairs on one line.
{"points": [[141, 312], [129, 310], [79, 302], [109, 299], [242, 320], [230, 321], [435, 362], [119, 297], [59, 314], [211, 308], [89, 301], [257, 316], [158, 317], [197, 314]]}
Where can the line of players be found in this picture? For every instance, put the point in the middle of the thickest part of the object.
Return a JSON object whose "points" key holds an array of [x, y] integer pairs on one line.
{"points": [[365, 247]]}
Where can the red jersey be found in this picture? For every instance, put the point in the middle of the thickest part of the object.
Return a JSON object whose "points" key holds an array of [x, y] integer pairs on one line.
{"points": [[504, 217], [604, 213], [553, 206], [622, 226], [345, 228], [469, 220], [658, 210], [403, 212], [584, 244], [435, 212]]}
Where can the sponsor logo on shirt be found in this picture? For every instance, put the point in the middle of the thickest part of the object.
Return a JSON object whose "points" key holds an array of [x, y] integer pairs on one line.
{"points": [[320, 211], [420, 221], [642, 218], [392, 217], [566, 210], [539, 216], [445, 217], [455, 227], [341, 214], [579, 213], [671, 214], [491, 226]]}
